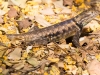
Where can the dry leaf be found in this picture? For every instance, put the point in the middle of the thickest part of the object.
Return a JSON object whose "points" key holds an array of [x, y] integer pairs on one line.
{"points": [[12, 13], [83, 40], [16, 54], [63, 46], [20, 3], [61, 64], [24, 23], [1, 20], [19, 65], [33, 61], [28, 48], [5, 72], [66, 10], [2, 12], [5, 6], [2, 52], [94, 67], [38, 1], [47, 11], [67, 2], [93, 25], [47, 1], [53, 59], [42, 21], [58, 4], [54, 71]]}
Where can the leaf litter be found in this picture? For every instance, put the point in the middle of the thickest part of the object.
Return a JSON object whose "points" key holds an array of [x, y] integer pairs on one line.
{"points": [[19, 16]]}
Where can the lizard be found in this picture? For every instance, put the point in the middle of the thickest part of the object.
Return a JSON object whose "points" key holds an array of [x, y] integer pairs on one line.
{"points": [[72, 27]]}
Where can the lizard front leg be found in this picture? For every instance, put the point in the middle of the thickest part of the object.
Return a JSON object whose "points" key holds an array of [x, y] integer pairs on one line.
{"points": [[75, 39]]}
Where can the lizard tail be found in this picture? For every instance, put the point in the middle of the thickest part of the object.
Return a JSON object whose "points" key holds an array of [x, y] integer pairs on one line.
{"points": [[14, 37]]}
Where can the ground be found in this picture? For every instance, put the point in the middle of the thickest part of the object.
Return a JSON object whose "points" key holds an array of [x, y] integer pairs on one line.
{"points": [[19, 16]]}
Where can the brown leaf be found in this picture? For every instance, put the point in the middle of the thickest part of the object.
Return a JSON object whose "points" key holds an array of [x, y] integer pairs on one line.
{"points": [[67, 2], [94, 67], [1, 20], [16, 54], [61, 64], [12, 12], [24, 23], [19, 65]]}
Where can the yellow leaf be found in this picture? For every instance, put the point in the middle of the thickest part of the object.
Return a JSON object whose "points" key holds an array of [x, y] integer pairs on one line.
{"points": [[26, 30], [32, 3], [35, 49], [85, 60], [82, 5], [54, 71], [5, 18], [65, 66], [53, 59], [45, 73], [24, 55], [79, 1], [17, 8], [5, 57], [74, 8], [98, 56]]}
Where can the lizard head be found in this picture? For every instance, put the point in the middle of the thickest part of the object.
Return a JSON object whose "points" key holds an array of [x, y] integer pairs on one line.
{"points": [[95, 4]]}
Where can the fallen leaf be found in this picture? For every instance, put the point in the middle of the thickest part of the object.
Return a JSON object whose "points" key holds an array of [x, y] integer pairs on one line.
{"points": [[58, 4], [73, 69], [25, 23], [7, 63], [33, 61], [67, 2], [85, 72], [19, 65], [93, 25], [38, 1], [2, 53], [16, 54], [54, 71], [4, 6], [94, 67], [2, 12], [28, 49], [78, 2], [61, 64], [1, 20], [20, 3], [47, 11], [5, 72], [66, 10], [83, 40], [53, 59], [63, 46], [42, 21], [12, 13], [47, 1]]}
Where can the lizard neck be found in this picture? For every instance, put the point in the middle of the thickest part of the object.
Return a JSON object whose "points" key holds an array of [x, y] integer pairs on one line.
{"points": [[85, 17]]}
